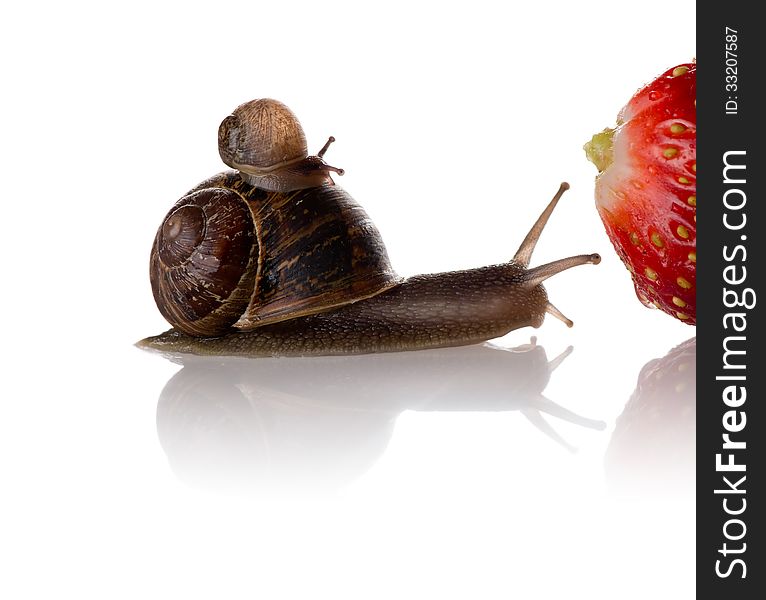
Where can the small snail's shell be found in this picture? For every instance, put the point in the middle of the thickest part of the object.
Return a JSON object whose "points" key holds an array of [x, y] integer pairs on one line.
{"points": [[230, 255], [261, 135]]}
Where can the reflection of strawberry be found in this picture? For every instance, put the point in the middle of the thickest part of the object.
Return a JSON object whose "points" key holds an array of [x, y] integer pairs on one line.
{"points": [[653, 444], [646, 190]]}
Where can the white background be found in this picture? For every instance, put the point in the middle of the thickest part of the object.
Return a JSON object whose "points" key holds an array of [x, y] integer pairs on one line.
{"points": [[455, 123]]}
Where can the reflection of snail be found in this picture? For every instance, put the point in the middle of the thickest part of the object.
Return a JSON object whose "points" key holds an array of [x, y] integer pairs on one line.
{"points": [[321, 422], [654, 442], [274, 259]]}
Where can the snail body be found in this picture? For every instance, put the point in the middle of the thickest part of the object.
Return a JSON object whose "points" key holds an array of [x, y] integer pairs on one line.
{"points": [[241, 268]]}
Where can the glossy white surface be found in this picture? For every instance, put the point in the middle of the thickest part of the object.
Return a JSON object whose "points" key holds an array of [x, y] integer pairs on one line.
{"points": [[425, 475]]}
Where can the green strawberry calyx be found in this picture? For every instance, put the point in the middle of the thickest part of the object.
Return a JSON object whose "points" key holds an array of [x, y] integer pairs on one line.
{"points": [[599, 149]]}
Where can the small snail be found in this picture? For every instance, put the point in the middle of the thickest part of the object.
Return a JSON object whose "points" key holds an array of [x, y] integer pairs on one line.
{"points": [[265, 142], [274, 259]]}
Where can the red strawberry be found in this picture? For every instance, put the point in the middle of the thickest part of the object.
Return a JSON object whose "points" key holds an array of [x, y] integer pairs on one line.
{"points": [[646, 190]]}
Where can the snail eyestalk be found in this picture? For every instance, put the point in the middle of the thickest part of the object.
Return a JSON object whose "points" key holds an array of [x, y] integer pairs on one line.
{"points": [[524, 253], [321, 153], [539, 274], [330, 140], [336, 170], [555, 312]]}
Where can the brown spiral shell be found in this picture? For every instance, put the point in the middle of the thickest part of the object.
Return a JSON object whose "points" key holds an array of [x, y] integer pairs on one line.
{"points": [[232, 256], [202, 262]]}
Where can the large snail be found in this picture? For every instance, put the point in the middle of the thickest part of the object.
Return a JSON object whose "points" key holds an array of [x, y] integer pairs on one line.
{"points": [[274, 259]]}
